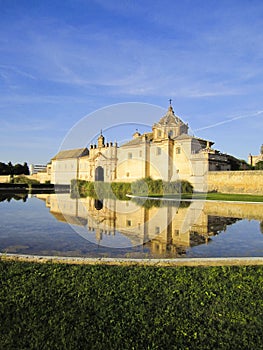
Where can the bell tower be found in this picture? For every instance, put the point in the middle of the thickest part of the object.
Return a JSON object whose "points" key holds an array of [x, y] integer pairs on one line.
{"points": [[101, 140]]}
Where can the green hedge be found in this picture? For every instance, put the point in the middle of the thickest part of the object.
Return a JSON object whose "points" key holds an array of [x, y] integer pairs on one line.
{"points": [[150, 203], [100, 189], [146, 187], [24, 180], [55, 306]]}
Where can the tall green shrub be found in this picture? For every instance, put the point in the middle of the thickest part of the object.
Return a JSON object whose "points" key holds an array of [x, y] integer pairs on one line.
{"points": [[119, 190], [148, 186]]}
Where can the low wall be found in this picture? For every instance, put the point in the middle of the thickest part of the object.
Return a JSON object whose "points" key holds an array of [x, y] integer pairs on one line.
{"points": [[42, 177], [5, 178], [249, 211], [250, 182]]}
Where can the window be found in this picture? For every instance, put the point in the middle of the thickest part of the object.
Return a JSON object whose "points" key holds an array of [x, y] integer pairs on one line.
{"points": [[158, 151], [128, 223], [159, 133], [129, 155], [178, 150], [176, 232], [157, 230], [140, 154], [127, 174]]}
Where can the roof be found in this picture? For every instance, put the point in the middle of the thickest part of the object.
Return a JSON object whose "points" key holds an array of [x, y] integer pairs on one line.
{"points": [[169, 119], [72, 153], [133, 142], [187, 137], [184, 137], [138, 140]]}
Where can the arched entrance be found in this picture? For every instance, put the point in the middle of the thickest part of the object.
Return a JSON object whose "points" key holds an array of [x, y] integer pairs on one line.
{"points": [[99, 174], [98, 204]]}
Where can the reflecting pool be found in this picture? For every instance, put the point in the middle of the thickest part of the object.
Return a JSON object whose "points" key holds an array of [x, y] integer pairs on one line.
{"points": [[57, 224]]}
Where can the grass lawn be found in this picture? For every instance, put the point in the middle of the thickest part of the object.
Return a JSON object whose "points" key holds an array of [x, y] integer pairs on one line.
{"points": [[216, 196], [60, 306], [231, 197]]}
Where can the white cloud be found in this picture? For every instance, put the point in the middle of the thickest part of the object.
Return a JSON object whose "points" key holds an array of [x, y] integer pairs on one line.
{"points": [[226, 121], [199, 67], [13, 69]]}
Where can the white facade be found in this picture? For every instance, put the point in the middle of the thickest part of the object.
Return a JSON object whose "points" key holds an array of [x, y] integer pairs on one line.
{"points": [[168, 153], [35, 168]]}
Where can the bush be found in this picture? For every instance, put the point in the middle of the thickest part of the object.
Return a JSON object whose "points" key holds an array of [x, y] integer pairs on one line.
{"points": [[186, 187], [142, 187], [120, 189], [259, 165], [24, 180], [99, 189], [148, 186]]}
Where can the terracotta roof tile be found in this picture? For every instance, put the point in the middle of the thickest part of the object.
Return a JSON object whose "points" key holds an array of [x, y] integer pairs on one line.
{"points": [[73, 153]]}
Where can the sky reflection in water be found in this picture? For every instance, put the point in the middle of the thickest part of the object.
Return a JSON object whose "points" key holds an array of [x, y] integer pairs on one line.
{"points": [[60, 225]]}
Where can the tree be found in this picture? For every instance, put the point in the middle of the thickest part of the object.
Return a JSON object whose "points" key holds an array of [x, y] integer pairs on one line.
{"points": [[11, 171], [17, 169], [234, 163], [244, 165], [4, 169], [259, 165], [26, 169]]}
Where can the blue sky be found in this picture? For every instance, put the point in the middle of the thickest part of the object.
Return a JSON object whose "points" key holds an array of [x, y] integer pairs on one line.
{"points": [[62, 60]]}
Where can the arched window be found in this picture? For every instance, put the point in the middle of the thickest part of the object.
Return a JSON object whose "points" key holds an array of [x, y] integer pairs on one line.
{"points": [[98, 204], [99, 174]]}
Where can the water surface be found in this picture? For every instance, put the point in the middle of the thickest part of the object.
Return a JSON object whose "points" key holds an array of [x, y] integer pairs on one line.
{"points": [[63, 226]]}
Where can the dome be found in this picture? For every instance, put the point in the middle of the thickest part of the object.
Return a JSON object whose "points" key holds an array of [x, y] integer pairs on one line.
{"points": [[169, 126], [170, 119]]}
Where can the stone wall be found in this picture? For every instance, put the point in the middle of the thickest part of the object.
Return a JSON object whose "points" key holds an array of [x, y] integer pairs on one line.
{"points": [[249, 211], [250, 182], [5, 178], [42, 177]]}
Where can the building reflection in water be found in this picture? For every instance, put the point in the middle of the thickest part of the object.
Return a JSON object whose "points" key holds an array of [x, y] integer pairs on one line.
{"points": [[165, 228]]}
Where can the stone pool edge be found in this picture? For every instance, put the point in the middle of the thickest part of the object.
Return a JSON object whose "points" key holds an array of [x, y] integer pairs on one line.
{"points": [[231, 261]]}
